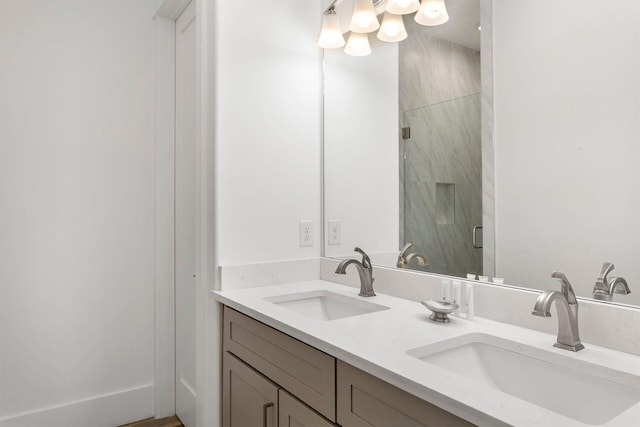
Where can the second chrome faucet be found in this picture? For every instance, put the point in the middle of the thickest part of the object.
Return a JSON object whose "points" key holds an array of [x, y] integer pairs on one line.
{"points": [[567, 307], [365, 271], [404, 259], [567, 304], [605, 286]]}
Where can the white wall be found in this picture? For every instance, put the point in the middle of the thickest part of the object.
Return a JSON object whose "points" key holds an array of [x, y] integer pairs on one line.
{"points": [[362, 189], [76, 217], [567, 127], [268, 128], [262, 72]]}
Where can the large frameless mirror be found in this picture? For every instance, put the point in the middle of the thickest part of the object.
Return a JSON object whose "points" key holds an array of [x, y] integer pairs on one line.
{"points": [[504, 149]]}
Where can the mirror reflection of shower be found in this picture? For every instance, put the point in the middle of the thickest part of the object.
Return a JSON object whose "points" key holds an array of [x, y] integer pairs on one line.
{"points": [[440, 153], [405, 258]]}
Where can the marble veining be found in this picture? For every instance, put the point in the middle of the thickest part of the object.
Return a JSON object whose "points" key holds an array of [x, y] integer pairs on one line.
{"points": [[440, 102], [488, 159], [434, 71], [444, 148]]}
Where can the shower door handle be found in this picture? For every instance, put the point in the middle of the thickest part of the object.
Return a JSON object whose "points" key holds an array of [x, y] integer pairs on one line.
{"points": [[474, 237]]}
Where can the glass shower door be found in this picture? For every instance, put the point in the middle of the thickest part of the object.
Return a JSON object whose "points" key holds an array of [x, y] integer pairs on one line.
{"points": [[442, 177]]}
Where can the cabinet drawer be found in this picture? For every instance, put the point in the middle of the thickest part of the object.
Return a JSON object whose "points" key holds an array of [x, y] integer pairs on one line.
{"points": [[366, 401], [304, 371]]}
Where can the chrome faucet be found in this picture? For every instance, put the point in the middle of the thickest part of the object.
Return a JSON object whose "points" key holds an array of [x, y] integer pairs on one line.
{"points": [[606, 287], [365, 271], [567, 308], [404, 260]]}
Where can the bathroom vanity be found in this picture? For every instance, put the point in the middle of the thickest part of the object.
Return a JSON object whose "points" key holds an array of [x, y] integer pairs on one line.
{"points": [[271, 378], [314, 353]]}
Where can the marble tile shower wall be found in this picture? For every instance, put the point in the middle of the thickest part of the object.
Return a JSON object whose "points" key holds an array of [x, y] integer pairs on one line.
{"points": [[441, 176], [433, 71], [443, 184]]}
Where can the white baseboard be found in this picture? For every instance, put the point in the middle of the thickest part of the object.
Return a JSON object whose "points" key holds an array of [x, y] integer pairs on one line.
{"points": [[103, 411]]}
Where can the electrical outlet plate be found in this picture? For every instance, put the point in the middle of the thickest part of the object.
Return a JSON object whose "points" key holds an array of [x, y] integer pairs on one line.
{"points": [[335, 232], [306, 233]]}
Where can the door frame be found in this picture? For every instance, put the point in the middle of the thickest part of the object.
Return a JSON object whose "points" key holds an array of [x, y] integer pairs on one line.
{"points": [[207, 311]]}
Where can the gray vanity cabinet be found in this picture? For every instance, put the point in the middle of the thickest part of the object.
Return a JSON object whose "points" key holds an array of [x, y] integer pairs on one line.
{"points": [[248, 399], [302, 370], [273, 379], [367, 401], [293, 413]]}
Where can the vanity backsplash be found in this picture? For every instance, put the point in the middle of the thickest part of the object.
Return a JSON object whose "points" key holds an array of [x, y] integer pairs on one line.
{"points": [[609, 325]]}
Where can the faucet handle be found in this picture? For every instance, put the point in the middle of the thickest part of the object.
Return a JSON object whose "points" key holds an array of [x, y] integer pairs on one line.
{"points": [[404, 250], [366, 261], [565, 287], [607, 267], [402, 256], [601, 288]]}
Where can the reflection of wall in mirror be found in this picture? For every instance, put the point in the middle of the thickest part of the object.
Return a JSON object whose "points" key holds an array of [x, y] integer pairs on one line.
{"points": [[441, 175], [567, 141], [361, 151]]}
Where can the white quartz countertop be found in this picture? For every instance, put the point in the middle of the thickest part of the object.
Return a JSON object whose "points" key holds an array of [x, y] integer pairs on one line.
{"points": [[378, 342]]}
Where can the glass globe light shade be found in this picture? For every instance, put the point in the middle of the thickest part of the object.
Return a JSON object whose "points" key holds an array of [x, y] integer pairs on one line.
{"points": [[358, 45], [432, 12], [402, 7], [331, 35], [364, 19], [392, 28]]}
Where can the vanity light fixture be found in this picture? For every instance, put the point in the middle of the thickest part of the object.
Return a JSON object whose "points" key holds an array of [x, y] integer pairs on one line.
{"points": [[402, 7], [432, 12], [364, 19], [358, 45], [392, 28], [331, 35]]}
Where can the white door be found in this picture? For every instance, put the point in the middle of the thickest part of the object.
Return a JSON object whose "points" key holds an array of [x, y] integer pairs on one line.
{"points": [[185, 216]]}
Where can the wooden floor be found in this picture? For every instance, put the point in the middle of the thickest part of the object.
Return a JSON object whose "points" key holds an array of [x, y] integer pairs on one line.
{"points": [[152, 422]]}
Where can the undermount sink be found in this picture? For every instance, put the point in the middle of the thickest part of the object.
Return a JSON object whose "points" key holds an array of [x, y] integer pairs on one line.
{"points": [[325, 305], [591, 394]]}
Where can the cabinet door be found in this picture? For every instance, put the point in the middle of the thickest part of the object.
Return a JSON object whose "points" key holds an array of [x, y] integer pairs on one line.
{"points": [[366, 401], [248, 398], [293, 413], [305, 371]]}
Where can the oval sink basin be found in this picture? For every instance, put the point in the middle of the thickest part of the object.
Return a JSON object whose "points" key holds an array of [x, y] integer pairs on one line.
{"points": [[588, 393], [325, 305]]}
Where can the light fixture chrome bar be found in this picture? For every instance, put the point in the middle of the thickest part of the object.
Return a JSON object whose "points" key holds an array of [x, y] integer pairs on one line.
{"points": [[332, 7]]}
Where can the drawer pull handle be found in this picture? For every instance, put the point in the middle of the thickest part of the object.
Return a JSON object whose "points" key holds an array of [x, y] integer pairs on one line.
{"points": [[474, 237], [265, 409]]}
